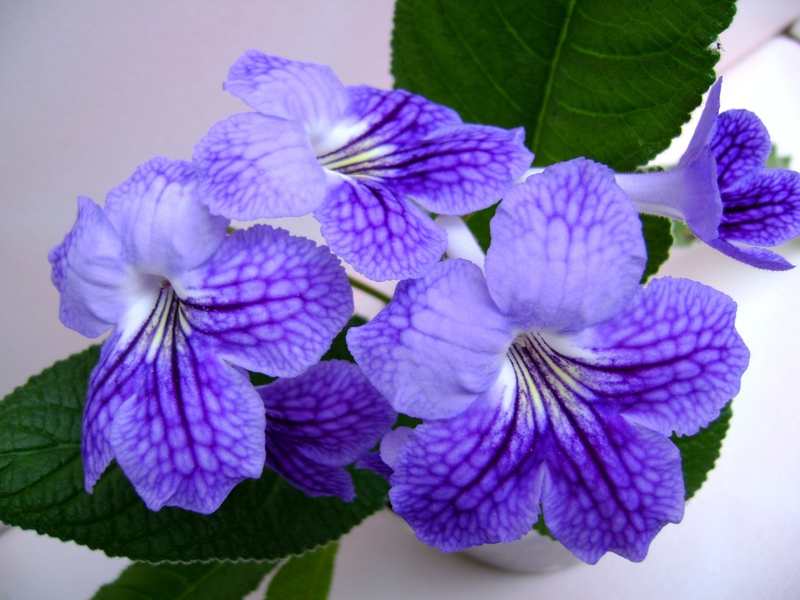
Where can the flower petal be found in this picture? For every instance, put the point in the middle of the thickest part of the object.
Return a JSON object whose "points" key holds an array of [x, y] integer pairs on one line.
{"points": [[472, 479], [762, 209], [704, 131], [164, 228], [268, 301], [760, 258], [567, 249], [383, 236], [253, 166], [90, 272], [321, 421], [740, 145], [438, 344], [671, 360], [610, 485], [298, 91]]}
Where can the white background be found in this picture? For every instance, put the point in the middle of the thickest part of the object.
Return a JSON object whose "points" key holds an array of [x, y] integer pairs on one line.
{"points": [[92, 89]]}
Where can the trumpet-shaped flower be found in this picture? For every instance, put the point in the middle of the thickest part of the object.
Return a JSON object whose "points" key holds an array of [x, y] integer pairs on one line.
{"points": [[362, 160], [723, 191], [554, 379], [191, 307]]}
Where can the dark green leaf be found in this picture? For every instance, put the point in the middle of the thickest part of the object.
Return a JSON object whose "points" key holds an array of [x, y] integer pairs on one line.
{"points": [[41, 488], [478, 224], [612, 80], [658, 237], [700, 451], [194, 581], [306, 577]]}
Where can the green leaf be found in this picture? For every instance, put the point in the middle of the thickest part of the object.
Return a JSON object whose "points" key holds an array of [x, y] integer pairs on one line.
{"points": [[41, 488], [700, 451], [611, 80], [194, 581], [657, 233], [306, 577], [478, 224], [776, 161]]}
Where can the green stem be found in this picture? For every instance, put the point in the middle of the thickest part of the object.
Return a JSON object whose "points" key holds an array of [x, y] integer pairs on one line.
{"points": [[359, 285]]}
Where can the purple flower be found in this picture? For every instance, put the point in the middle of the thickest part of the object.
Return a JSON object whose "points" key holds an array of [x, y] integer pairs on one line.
{"points": [[192, 307], [723, 191], [362, 160], [553, 380]]}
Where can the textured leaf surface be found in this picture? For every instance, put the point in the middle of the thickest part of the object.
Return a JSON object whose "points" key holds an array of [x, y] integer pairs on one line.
{"points": [[611, 80], [306, 577], [657, 233], [198, 581], [41, 488]]}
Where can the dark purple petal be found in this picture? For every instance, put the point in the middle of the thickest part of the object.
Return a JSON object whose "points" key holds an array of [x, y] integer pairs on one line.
{"points": [[567, 249], [760, 258], [383, 236], [762, 209], [90, 272], [740, 145], [472, 479], [309, 476], [439, 343], [330, 413], [298, 91], [253, 166], [611, 485], [164, 228], [268, 301], [372, 461], [671, 360], [184, 426]]}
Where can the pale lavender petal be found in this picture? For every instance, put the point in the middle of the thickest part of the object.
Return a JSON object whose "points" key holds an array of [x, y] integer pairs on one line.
{"points": [[760, 258], [253, 166], [762, 209], [671, 360], [610, 485], [164, 228], [740, 145], [392, 442], [383, 236], [305, 92], [567, 249], [90, 272], [705, 127], [331, 413], [439, 343], [268, 301], [472, 479]]}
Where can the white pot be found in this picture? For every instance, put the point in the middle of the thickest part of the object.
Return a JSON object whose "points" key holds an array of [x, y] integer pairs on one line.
{"points": [[534, 553]]}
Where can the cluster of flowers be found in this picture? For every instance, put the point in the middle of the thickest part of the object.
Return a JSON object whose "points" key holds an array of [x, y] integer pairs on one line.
{"points": [[545, 376]]}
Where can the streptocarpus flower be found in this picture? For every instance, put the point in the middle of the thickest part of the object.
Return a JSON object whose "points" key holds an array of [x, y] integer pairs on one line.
{"points": [[723, 191], [554, 379], [362, 160], [190, 307]]}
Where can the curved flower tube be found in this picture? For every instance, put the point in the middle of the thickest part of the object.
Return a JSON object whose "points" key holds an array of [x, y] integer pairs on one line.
{"points": [[362, 160], [553, 380], [723, 191], [191, 307]]}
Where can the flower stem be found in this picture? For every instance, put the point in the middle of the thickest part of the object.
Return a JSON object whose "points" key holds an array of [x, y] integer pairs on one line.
{"points": [[360, 285]]}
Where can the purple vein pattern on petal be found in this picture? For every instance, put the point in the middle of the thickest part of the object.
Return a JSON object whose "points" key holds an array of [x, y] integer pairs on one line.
{"points": [[321, 421], [254, 166], [567, 249], [472, 479], [268, 301], [740, 144], [89, 272], [437, 345], [382, 235]]}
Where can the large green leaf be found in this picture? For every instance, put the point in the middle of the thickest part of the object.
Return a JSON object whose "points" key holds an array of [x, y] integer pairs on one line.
{"points": [[197, 581], [41, 488], [306, 577], [611, 80]]}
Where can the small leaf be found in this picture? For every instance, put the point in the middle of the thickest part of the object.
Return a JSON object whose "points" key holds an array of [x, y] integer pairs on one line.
{"points": [[611, 80], [658, 237], [41, 488], [478, 224], [306, 577], [776, 161], [194, 581], [700, 451]]}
